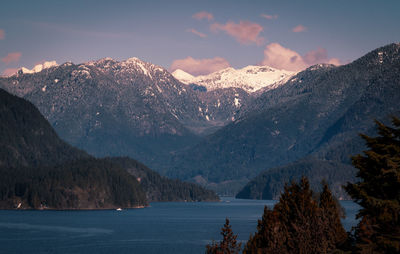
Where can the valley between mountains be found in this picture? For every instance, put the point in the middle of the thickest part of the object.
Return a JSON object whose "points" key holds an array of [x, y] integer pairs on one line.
{"points": [[243, 132]]}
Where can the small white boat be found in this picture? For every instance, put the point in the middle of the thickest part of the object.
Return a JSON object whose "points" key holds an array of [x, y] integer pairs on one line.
{"points": [[119, 209]]}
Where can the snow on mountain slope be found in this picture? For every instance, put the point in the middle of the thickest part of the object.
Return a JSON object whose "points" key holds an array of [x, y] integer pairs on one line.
{"points": [[250, 78], [38, 67]]}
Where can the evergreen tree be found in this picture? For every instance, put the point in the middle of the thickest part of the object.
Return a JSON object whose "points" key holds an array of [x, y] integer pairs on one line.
{"points": [[378, 192], [299, 223], [335, 235], [228, 245], [270, 236]]}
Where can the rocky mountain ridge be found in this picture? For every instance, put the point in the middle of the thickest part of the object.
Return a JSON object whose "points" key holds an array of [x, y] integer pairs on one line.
{"points": [[250, 78]]}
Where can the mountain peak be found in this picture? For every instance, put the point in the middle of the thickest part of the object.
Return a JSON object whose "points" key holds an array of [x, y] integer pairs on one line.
{"points": [[386, 54], [250, 78], [183, 76], [37, 68]]}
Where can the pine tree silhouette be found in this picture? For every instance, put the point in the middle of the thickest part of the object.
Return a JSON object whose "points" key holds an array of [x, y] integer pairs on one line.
{"points": [[228, 244], [378, 192], [299, 223]]}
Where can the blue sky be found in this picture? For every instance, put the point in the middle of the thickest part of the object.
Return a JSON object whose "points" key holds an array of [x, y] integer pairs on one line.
{"points": [[197, 36]]}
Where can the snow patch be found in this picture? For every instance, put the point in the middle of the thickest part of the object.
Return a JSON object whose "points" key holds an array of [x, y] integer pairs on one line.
{"points": [[39, 67], [183, 76], [380, 57], [237, 103]]}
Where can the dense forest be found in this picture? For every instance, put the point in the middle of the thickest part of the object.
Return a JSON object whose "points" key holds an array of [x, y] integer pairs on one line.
{"points": [[161, 188], [303, 222], [41, 171], [82, 184], [269, 184]]}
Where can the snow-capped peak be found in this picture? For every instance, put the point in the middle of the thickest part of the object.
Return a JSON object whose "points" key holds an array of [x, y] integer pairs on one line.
{"points": [[250, 78], [39, 67], [183, 76]]}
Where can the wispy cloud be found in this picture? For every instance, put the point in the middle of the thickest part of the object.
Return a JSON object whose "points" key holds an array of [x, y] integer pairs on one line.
{"points": [[203, 15], [299, 29], [10, 71], [200, 66], [245, 32], [194, 31], [277, 56], [268, 16], [2, 34], [12, 57]]}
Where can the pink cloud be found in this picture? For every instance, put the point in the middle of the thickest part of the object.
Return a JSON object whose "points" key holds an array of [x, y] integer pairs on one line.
{"points": [[11, 57], [277, 56], [2, 34], [200, 66], [299, 29], [10, 71], [245, 32], [203, 15], [267, 16], [316, 56], [194, 31]]}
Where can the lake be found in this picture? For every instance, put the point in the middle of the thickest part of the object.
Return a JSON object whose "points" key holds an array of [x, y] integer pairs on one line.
{"points": [[161, 228]]}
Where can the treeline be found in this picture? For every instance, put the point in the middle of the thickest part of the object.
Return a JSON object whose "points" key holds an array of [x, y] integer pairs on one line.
{"points": [[268, 185], [40, 171], [303, 223], [160, 188], [82, 184]]}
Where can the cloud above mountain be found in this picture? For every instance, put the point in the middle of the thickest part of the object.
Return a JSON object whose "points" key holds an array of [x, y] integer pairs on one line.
{"points": [[12, 57], [10, 71], [200, 66], [245, 32], [277, 56]]}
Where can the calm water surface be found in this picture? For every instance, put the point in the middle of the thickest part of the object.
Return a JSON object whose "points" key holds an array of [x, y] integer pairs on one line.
{"points": [[161, 228]]}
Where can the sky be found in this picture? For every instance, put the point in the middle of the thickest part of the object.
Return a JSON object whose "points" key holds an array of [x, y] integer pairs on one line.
{"points": [[198, 37]]}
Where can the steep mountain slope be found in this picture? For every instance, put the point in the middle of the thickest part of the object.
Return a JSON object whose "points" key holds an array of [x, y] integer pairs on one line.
{"points": [[319, 111], [250, 78], [27, 139], [41, 171], [160, 188]]}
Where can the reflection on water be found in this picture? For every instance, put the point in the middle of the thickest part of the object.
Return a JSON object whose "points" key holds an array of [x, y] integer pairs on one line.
{"points": [[162, 228]]}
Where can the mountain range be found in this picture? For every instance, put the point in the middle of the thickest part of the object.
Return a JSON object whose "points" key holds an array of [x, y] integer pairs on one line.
{"points": [[316, 115], [250, 78], [129, 108], [224, 129]]}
